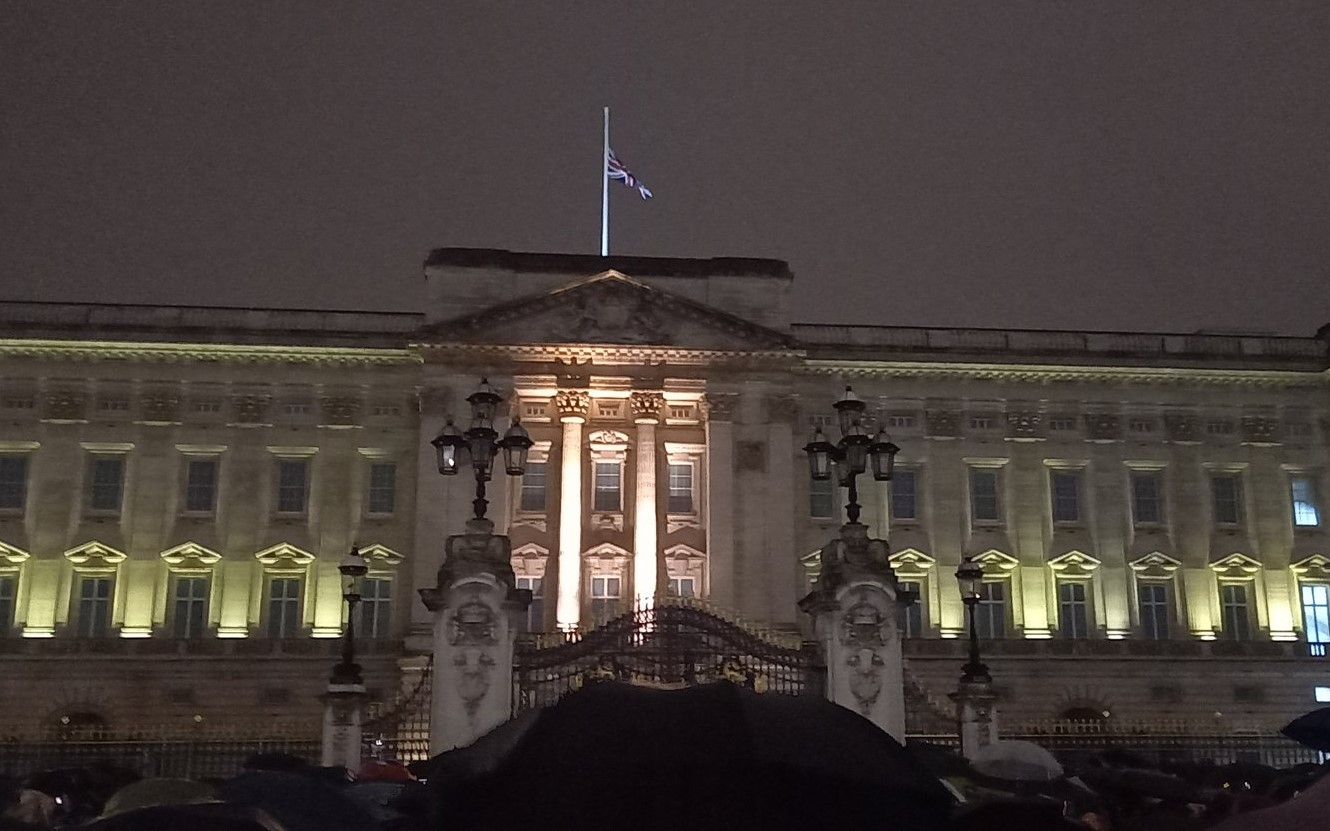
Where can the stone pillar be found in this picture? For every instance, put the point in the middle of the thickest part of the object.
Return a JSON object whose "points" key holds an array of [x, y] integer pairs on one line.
{"points": [[343, 713], [854, 606], [573, 407], [976, 714], [719, 409], [646, 414], [476, 619]]}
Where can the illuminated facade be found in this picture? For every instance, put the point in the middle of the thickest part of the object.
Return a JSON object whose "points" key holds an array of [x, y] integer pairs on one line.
{"points": [[177, 486]]}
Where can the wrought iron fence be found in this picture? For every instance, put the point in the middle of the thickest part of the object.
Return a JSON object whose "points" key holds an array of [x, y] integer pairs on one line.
{"points": [[402, 732]]}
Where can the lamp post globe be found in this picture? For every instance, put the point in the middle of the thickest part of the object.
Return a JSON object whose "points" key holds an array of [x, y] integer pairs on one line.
{"points": [[480, 443], [853, 454]]}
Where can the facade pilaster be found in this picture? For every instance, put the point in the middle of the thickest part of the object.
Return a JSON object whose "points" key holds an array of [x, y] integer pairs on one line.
{"points": [[783, 570], [572, 407], [719, 408], [646, 408]]}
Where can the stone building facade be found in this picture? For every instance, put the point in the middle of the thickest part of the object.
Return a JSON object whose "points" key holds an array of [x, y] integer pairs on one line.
{"points": [[177, 486]]}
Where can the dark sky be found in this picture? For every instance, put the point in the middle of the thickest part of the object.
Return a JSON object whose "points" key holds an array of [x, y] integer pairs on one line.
{"points": [[1072, 164]]}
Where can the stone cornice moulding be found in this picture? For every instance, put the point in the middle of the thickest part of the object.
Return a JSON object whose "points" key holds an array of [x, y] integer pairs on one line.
{"points": [[530, 560], [1049, 373], [1236, 566], [911, 564], [291, 452], [1074, 564], [201, 449], [1315, 567], [683, 552], [1155, 564], [996, 562], [608, 553], [95, 556], [190, 555], [107, 446], [19, 446], [284, 557], [61, 350], [380, 557], [612, 354], [11, 556]]}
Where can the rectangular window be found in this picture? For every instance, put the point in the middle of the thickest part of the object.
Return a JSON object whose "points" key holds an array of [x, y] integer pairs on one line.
{"points": [[1153, 598], [201, 486], [108, 481], [284, 607], [822, 499], [8, 590], [605, 593], [609, 487], [375, 611], [1236, 613], [1147, 507], [683, 586], [1141, 425], [13, 482], [382, 488], [1322, 695], [94, 612], [535, 613], [1066, 487], [911, 620], [904, 502], [292, 485], [1306, 513], [1073, 610], [533, 487], [1062, 423], [681, 488], [1316, 617], [984, 496], [990, 613], [189, 617], [1227, 493]]}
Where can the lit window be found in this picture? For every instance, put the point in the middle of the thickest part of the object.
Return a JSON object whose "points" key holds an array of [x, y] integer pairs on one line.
{"points": [[1227, 493], [1236, 612], [94, 610], [990, 613], [683, 586], [984, 496], [13, 482], [1066, 496], [292, 485], [201, 485], [382, 488], [1316, 617], [605, 594], [609, 487], [1153, 598], [1322, 695], [535, 613], [1146, 504], [533, 487], [108, 477], [189, 617], [904, 503], [911, 620], [681, 488], [375, 610], [1306, 514], [1073, 610], [822, 499], [8, 588], [284, 607]]}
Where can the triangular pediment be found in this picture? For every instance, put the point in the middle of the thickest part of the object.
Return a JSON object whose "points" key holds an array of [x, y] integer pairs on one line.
{"points": [[284, 556], [1236, 566], [9, 555], [95, 554], [1074, 564], [381, 556], [609, 308], [1315, 567], [1155, 564], [911, 564], [996, 562], [190, 555]]}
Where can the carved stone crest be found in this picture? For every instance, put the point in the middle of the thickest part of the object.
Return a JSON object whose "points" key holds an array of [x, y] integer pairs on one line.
{"points": [[476, 552], [617, 316], [160, 407], [864, 633], [852, 557], [1260, 430], [720, 406], [1103, 426], [341, 411], [250, 409], [943, 423], [66, 406], [1182, 427], [1024, 424]]}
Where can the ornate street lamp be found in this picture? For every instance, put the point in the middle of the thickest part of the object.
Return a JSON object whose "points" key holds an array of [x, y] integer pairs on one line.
{"points": [[480, 443], [353, 568], [970, 575], [851, 456]]}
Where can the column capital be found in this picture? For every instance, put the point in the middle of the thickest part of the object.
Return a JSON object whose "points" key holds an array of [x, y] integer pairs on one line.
{"points": [[720, 406], [647, 407], [572, 404]]}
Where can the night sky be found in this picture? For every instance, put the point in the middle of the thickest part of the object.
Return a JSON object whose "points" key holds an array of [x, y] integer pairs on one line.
{"points": [[1141, 165]]}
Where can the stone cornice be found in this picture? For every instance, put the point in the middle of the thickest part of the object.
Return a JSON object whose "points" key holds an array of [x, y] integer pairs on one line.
{"points": [[1047, 374], [610, 354], [70, 350]]}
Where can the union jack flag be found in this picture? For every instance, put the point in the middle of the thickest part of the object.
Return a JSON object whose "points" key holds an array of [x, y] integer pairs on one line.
{"points": [[616, 171]]}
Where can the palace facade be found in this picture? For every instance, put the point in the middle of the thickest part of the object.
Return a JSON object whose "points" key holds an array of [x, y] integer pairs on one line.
{"points": [[178, 485]]}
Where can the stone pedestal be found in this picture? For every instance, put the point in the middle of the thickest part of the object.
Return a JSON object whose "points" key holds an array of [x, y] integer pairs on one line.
{"points": [[476, 612], [855, 605], [343, 713], [976, 714]]}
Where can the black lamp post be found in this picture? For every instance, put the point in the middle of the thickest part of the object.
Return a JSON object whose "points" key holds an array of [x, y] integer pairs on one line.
{"points": [[480, 442], [970, 575], [854, 452], [353, 567]]}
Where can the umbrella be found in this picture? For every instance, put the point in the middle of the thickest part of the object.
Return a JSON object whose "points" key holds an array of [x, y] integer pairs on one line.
{"points": [[214, 816], [1023, 814], [1309, 810], [1311, 730], [149, 793], [300, 802], [710, 756], [1017, 761]]}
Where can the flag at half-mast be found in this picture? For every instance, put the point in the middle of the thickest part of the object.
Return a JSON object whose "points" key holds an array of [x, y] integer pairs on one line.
{"points": [[616, 171]]}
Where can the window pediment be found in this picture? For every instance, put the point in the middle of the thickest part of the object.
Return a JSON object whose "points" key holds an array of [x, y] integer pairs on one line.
{"points": [[190, 555], [9, 555], [284, 556], [1155, 564], [530, 560], [1315, 567], [95, 555], [911, 564], [381, 556], [607, 554], [1236, 566], [1074, 564], [996, 562]]}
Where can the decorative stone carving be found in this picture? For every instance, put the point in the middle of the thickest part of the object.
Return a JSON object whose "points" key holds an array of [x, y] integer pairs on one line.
{"points": [[250, 409], [66, 406], [161, 408], [572, 403], [976, 715], [865, 631], [647, 406], [1103, 426], [783, 408], [750, 456], [1183, 428], [617, 316], [476, 552], [943, 423], [853, 557], [472, 633], [1025, 424], [1260, 430], [720, 406], [341, 411]]}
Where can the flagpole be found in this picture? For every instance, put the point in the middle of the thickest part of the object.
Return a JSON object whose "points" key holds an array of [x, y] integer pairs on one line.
{"points": [[605, 190]]}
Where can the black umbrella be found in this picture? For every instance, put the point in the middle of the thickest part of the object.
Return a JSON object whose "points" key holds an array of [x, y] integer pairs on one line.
{"points": [[299, 801], [208, 816], [1311, 730], [713, 756]]}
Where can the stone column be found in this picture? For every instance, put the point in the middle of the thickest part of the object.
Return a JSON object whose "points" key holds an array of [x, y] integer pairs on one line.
{"points": [[343, 713], [476, 619], [854, 606], [976, 714], [719, 410], [646, 414], [573, 407]]}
